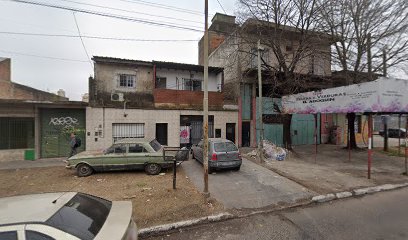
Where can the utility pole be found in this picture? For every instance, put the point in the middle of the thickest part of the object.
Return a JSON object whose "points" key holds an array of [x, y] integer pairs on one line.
{"points": [[386, 117], [205, 103], [261, 133]]}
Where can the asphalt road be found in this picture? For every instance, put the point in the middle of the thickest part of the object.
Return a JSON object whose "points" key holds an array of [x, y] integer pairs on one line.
{"points": [[378, 216]]}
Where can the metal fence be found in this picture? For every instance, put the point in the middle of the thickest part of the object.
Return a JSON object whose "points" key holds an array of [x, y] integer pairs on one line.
{"points": [[16, 133]]}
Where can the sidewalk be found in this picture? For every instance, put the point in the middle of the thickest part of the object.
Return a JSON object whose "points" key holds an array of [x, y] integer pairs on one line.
{"points": [[252, 187], [44, 162]]}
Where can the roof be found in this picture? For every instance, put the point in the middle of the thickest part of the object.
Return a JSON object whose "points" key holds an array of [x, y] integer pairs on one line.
{"points": [[185, 66], [159, 64], [68, 104], [32, 208], [132, 140]]}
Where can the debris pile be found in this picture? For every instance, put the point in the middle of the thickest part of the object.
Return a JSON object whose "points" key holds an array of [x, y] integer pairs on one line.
{"points": [[270, 152]]}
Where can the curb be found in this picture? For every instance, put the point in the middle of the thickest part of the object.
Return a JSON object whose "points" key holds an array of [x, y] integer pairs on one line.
{"points": [[167, 227], [357, 192]]}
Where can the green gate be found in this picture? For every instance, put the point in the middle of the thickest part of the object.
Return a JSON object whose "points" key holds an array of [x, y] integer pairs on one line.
{"points": [[302, 129], [56, 128]]}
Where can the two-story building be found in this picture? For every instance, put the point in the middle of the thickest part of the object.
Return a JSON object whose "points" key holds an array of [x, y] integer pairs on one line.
{"points": [[148, 100], [234, 48]]}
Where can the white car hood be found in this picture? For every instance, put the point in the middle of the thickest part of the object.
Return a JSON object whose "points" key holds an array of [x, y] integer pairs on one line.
{"points": [[117, 221]]}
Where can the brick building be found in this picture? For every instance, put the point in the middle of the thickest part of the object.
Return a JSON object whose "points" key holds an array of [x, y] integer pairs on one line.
{"points": [[147, 100]]}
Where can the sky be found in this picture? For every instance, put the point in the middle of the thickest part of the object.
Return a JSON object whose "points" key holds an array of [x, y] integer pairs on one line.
{"points": [[50, 63]]}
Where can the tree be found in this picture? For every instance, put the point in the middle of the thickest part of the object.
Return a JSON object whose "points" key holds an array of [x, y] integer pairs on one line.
{"points": [[287, 29], [352, 22]]}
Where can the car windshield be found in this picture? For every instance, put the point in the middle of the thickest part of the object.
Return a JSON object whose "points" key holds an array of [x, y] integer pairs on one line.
{"points": [[83, 216], [155, 145], [225, 147]]}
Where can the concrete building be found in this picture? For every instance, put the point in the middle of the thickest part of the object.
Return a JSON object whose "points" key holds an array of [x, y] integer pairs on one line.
{"points": [[34, 123], [233, 47], [147, 100]]}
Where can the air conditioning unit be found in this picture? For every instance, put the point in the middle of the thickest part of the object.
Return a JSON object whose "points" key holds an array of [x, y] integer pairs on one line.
{"points": [[117, 97]]}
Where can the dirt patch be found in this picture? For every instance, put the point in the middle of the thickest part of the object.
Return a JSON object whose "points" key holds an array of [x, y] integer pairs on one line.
{"points": [[154, 201]]}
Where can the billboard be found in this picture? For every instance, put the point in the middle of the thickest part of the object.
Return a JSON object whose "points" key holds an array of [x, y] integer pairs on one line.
{"points": [[382, 95]]}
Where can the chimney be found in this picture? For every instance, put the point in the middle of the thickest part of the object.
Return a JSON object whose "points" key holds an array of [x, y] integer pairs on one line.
{"points": [[61, 93], [5, 69]]}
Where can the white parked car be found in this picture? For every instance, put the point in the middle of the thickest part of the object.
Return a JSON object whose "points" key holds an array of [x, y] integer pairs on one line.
{"points": [[66, 215]]}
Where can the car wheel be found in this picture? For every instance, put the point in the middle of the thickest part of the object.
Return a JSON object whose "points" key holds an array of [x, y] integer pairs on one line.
{"points": [[210, 170], [152, 168], [84, 170]]}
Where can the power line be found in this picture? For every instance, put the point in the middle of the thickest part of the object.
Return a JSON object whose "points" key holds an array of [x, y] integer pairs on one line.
{"points": [[131, 11], [221, 7], [82, 41], [168, 7], [98, 37], [46, 57], [121, 17]]}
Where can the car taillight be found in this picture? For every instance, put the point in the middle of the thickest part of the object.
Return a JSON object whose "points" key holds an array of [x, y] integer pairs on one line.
{"points": [[214, 157], [239, 156]]}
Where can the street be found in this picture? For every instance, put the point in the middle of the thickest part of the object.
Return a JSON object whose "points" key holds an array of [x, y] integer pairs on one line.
{"points": [[379, 216]]}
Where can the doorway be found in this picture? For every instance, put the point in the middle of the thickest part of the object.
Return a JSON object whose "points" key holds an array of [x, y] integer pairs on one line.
{"points": [[230, 134], [246, 134], [161, 133]]}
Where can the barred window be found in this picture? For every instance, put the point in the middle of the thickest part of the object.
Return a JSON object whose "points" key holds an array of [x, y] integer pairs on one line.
{"points": [[127, 130]]}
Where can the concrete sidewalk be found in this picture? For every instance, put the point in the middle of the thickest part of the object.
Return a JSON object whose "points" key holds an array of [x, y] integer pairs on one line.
{"points": [[252, 187], [44, 162]]}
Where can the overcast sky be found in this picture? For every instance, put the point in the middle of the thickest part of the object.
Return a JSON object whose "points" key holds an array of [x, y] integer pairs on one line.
{"points": [[72, 76]]}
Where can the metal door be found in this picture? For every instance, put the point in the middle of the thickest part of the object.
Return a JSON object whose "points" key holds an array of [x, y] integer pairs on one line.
{"points": [[230, 132], [246, 134]]}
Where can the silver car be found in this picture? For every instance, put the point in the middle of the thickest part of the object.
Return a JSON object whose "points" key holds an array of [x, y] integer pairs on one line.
{"points": [[66, 215], [222, 154]]}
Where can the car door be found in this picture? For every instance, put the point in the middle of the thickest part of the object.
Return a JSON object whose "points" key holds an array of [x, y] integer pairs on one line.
{"points": [[115, 159], [200, 151], [137, 156]]}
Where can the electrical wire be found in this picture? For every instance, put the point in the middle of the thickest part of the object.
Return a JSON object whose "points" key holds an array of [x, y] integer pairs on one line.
{"points": [[131, 11], [97, 37], [164, 6], [221, 7], [46, 57], [82, 41], [103, 14]]}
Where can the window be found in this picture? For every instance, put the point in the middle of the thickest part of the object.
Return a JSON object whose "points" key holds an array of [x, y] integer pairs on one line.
{"points": [[31, 235], [192, 84], [225, 147], [136, 148], [83, 216], [254, 57], [119, 148], [127, 130], [8, 235], [16, 133], [161, 82], [155, 145], [217, 133], [126, 81]]}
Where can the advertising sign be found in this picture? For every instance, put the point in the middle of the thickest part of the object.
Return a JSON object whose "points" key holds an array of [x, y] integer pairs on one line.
{"points": [[382, 95]]}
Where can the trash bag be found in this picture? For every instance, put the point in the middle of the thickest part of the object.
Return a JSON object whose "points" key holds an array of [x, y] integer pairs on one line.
{"points": [[182, 155], [273, 152]]}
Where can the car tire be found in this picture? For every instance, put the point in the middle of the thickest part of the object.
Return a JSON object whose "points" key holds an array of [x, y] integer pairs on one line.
{"points": [[210, 170], [152, 168], [84, 170], [236, 168]]}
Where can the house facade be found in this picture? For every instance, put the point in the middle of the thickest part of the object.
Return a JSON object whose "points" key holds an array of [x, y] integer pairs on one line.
{"points": [[33, 123], [148, 100], [234, 48]]}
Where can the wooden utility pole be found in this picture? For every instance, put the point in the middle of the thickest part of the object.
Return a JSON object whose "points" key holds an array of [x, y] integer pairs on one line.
{"points": [[261, 133], [205, 103]]}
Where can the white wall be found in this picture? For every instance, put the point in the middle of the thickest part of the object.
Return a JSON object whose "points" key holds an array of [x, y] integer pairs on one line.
{"points": [[214, 80], [96, 117]]}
